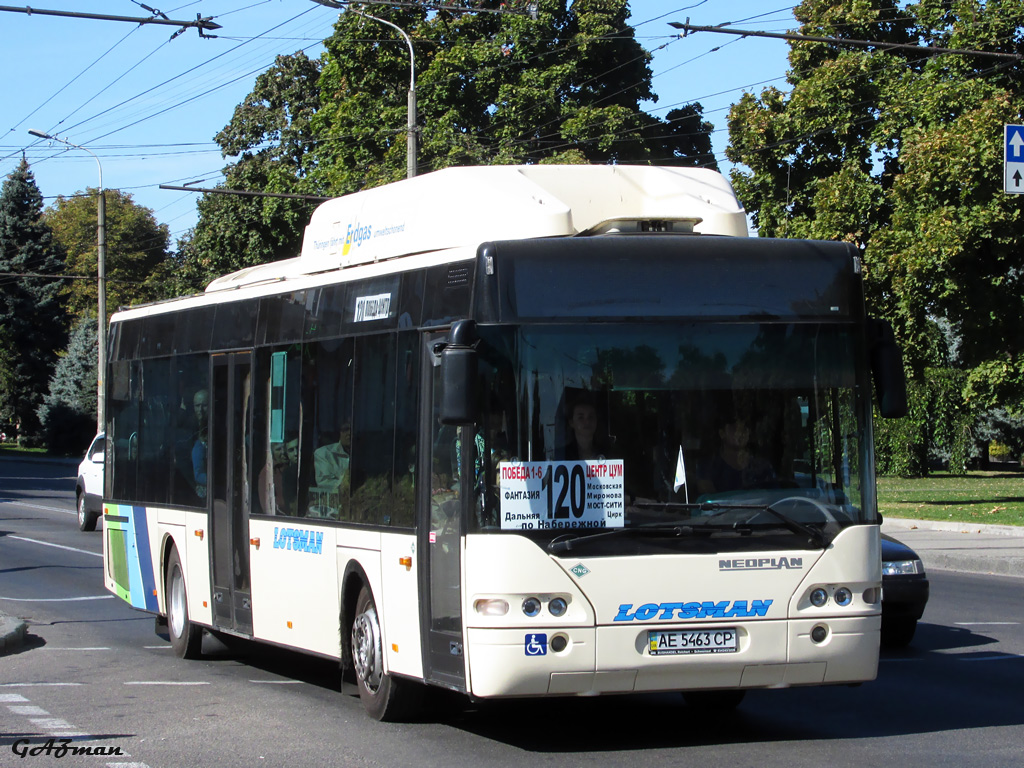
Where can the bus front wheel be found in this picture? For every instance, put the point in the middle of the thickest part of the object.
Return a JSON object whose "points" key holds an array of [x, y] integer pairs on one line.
{"points": [[384, 696], [186, 637]]}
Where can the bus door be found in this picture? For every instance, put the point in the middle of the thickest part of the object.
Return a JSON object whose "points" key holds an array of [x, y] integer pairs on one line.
{"points": [[230, 456], [440, 516]]}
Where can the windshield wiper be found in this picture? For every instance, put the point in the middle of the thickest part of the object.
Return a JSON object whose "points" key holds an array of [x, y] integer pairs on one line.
{"points": [[815, 535], [560, 544]]}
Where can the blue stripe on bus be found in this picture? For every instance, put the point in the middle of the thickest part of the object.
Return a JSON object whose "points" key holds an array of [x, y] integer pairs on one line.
{"points": [[145, 560], [140, 560]]}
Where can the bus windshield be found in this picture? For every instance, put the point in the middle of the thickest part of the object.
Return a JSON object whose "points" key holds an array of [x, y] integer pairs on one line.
{"points": [[750, 432]]}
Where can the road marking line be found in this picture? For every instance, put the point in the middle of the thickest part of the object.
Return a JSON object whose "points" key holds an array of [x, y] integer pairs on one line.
{"points": [[276, 682], [40, 506], [58, 546], [164, 682], [1001, 657], [55, 599], [127, 765], [51, 723], [27, 709], [987, 623], [9, 697], [29, 685], [157, 647], [98, 648]]}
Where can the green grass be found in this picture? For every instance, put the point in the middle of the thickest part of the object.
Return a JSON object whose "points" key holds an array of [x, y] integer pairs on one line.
{"points": [[991, 498], [12, 449]]}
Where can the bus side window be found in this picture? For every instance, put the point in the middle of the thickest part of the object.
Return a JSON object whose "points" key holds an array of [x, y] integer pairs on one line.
{"points": [[276, 438], [406, 391], [373, 439], [330, 482]]}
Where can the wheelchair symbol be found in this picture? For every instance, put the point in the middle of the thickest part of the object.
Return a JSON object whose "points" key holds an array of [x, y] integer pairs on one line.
{"points": [[536, 645]]}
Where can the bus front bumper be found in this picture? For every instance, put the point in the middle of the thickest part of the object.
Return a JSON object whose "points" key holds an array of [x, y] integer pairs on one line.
{"points": [[588, 661]]}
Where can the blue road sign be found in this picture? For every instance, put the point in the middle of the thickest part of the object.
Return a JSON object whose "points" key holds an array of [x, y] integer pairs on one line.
{"points": [[1013, 160]]}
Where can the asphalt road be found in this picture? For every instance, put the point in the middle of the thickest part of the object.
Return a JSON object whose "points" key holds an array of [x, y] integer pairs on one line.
{"points": [[96, 672]]}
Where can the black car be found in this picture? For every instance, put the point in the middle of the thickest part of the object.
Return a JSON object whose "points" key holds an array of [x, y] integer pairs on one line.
{"points": [[904, 592]]}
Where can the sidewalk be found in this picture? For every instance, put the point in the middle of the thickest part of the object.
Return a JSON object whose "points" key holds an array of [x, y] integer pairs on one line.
{"points": [[996, 549]]}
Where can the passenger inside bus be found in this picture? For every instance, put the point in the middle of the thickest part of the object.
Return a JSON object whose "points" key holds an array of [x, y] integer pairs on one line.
{"points": [[585, 442], [331, 464], [736, 466], [270, 484], [201, 408]]}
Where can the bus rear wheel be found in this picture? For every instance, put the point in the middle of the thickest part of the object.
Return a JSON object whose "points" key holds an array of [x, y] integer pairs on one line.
{"points": [[186, 637], [384, 697]]}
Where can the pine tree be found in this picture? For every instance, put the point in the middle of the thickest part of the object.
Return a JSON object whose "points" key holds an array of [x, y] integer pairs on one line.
{"points": [[31, 313], [68, 412]]}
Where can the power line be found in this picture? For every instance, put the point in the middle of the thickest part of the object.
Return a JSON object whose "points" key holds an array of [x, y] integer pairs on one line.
{"points": [[930, 49]]}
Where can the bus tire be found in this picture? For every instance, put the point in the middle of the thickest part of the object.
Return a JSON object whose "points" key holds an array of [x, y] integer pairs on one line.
{"points": [[186, 637], [384, 697]]}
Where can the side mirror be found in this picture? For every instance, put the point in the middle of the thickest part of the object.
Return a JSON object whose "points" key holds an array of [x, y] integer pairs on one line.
{"points": [[459, 375], [887, 369]]}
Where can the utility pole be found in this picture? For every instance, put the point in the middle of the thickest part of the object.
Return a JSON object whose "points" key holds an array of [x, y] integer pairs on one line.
{"points": [[410, 147], [101, 287]]}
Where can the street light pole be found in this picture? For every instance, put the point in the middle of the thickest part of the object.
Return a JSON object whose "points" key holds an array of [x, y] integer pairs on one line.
{"points": [[410, 151], [101, 288]]}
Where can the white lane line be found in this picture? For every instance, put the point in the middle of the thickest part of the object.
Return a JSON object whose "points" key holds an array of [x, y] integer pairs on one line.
{"points": [[127, 765], [1001, 657], [31, 685], [27, 709], [276, 682], [39, 717], [57, 546], [86, 648], [164, 682], [987, 623], [55, 599], [40, 506], [157, 647]]}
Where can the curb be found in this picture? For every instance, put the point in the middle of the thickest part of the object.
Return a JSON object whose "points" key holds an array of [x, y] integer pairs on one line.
{"points": [[12, 634], [937, 525]]}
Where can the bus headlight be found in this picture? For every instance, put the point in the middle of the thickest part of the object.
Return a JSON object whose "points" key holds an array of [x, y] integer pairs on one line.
{"points": [[558, 606], [844, 596], [819, 597], [531, 606], [491, 607]]}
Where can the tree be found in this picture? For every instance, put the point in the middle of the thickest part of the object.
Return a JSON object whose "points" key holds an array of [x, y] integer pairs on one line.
{"points": [[136, 253], [270, 134], [900, 154], [68, 413], [493, 88], [31, 313]]}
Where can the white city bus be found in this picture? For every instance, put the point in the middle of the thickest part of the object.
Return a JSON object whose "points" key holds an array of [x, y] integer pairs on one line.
{"points": [[514, 431]]}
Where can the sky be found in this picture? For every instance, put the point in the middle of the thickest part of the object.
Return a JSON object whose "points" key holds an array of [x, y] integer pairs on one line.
{"points": [[149, 106]]}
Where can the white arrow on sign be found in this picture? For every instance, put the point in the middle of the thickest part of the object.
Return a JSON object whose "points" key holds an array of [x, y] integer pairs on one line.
{"points": [[1016, 142]]}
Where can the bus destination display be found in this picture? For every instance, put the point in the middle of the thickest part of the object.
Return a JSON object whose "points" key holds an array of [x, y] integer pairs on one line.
{"points": [[561, 494]]}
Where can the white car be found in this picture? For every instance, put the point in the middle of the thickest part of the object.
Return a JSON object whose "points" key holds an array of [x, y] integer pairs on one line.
{"points": [[89, 486]]}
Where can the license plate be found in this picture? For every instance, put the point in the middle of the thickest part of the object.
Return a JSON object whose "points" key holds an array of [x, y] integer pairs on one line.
{"points": [[667, 642]]}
